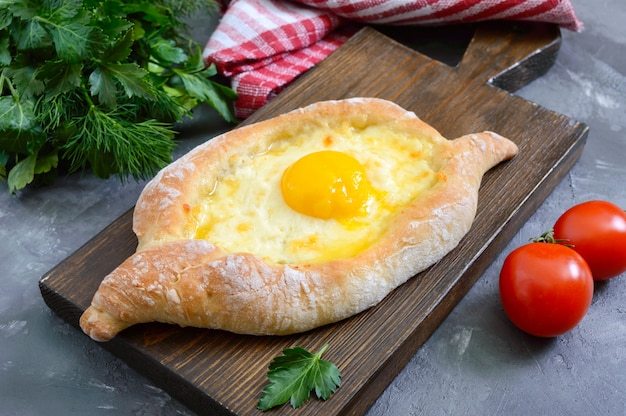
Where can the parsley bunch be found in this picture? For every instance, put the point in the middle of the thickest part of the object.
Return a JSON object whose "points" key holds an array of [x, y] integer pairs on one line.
{"points": [[98, 84]]}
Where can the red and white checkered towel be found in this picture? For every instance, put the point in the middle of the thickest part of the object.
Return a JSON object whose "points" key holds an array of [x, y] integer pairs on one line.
{"points": [[263, 45]]}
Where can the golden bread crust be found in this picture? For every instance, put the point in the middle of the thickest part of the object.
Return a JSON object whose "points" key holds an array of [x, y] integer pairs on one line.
{"points": [[174, 278]]}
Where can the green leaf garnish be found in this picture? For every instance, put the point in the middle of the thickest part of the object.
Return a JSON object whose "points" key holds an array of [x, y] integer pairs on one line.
{"points": [[295, 374], [98, 85]]}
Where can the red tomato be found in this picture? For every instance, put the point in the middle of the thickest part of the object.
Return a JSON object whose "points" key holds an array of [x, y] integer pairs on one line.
{"points": [[597, 231], [545, 289]]}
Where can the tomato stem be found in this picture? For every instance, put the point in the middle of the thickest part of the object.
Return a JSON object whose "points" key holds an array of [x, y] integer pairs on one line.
{"points": [[548, 237]]}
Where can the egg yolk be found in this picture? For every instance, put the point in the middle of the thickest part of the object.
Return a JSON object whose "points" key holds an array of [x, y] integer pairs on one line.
{"points": [[327, 184]]}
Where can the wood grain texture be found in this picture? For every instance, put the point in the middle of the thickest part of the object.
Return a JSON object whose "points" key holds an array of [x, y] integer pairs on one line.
{"points": [[215, 372]]}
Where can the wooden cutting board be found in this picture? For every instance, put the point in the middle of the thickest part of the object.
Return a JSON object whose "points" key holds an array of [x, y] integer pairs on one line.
{"points": [[215, 372]]}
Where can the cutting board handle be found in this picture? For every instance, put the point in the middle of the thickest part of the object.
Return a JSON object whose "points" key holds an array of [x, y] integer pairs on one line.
{"points": [[510, 55]]}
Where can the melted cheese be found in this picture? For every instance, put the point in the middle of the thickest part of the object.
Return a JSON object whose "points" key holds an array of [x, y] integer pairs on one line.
{"points": [[246, 211]]}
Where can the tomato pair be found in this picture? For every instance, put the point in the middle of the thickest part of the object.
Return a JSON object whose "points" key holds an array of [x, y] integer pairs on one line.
{"points": [[546, 287]]}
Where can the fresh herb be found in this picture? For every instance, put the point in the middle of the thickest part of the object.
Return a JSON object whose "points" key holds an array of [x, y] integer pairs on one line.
{"points": [[98, 84], [293, 375]]}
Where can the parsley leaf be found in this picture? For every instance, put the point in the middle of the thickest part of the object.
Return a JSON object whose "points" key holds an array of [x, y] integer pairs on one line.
{"points": [[132, 78], [293, 375], [18, 132], [60, 77], [23, 173], [71, 36]]}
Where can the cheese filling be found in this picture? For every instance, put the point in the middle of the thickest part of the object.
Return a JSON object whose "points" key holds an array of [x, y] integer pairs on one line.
{"points": [[250, 210]]}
